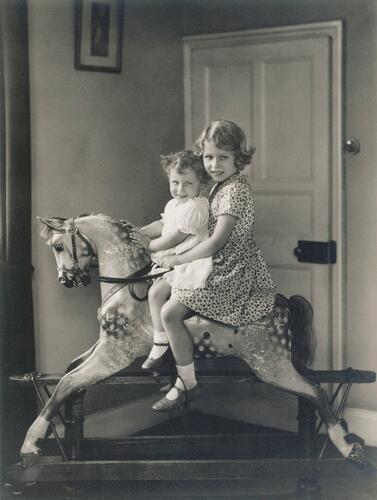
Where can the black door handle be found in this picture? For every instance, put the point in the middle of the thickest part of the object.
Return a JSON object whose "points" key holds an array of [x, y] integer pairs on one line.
{"points": [[316, 252]]}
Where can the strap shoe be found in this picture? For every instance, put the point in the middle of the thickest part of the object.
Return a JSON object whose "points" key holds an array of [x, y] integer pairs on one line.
{"points": [[184, 396], [155, 363]]}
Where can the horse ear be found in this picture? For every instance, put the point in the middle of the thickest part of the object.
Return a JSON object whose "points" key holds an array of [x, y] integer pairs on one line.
{"points": [[45, 230], [49, 225]]}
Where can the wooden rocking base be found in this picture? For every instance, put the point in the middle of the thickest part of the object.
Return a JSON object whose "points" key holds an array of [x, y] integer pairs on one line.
{"points": [[191, 456]]}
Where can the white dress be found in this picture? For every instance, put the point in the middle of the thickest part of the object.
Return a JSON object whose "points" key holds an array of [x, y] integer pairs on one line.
{"points": [[190, 218]]}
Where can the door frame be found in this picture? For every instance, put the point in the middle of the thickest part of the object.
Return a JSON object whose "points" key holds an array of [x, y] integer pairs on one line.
{"points": [[334, 31]]}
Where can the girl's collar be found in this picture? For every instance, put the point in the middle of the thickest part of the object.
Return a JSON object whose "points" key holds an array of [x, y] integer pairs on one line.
{"points": [[231, 177], [218, 185]]}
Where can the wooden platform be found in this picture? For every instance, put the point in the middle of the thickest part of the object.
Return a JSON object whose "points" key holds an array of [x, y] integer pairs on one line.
{"points": [[188, 456], [208, 373], [54, 469]]}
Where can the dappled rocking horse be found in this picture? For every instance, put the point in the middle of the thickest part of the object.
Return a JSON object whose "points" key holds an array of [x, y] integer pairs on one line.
{"points": [[275, 347]]}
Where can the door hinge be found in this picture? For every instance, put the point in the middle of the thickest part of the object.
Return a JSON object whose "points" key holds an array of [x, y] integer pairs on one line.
{"points": [[316, 252]]}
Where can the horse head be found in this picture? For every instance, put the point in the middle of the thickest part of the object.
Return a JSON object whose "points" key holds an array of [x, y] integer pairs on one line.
{"points": [[74, 253], [77, 242]]}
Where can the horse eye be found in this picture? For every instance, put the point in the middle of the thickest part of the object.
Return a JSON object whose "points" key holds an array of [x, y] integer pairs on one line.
{"points": [[59, 247]]}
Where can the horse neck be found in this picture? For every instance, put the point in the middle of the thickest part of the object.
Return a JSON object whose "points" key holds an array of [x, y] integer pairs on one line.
{"points": [[116, 255]]}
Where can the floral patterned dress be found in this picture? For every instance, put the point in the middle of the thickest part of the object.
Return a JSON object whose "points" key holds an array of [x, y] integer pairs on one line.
{"points": [[239, 289]]}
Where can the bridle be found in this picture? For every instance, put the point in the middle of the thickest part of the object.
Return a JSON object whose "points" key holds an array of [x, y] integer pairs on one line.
{"points": [[83, 278], [77, 271]]}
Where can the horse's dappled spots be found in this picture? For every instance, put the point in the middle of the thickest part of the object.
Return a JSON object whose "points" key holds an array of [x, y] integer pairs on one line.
{"points": [[115, 323], [204, 347]]}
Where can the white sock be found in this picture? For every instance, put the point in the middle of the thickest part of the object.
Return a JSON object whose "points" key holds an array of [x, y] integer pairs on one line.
{"points": [[185, 380], [187, 374], [158, 350]]}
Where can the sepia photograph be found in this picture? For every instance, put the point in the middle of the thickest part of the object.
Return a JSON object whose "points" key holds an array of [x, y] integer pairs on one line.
{"points": [[188, 249]]}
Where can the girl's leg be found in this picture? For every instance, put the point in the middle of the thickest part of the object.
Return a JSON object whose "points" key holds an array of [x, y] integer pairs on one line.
{"points": [[186, 387], [158, 294], [173, 314]]}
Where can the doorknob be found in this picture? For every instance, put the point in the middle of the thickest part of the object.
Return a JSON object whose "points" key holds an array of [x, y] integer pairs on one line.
{"points": [[316, 252], [351, 146], [297, 251]]}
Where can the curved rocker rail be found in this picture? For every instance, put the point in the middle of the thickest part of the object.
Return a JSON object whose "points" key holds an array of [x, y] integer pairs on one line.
{"points": [[193, 457]]}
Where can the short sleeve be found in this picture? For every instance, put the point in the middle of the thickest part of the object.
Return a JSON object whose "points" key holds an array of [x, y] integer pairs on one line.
{"points": [[192, 217], [235, 199], [168, 212]]}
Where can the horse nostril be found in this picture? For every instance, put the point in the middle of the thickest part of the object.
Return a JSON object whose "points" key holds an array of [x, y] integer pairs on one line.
{"points": [[64, 280]]}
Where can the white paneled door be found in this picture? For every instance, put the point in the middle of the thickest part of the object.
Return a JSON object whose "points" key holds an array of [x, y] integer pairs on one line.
{"points": [[283, 87]]}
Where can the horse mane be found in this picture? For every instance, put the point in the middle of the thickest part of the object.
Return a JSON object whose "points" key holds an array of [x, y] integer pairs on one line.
{"points": [[124, 229], [123, 226], [57, 223]]}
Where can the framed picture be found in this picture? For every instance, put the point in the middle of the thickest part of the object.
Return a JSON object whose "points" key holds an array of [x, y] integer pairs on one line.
{"points": [[98, 35]]}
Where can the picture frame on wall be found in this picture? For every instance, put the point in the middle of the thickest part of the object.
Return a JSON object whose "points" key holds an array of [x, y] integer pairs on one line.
{"points": [[98, 35]]}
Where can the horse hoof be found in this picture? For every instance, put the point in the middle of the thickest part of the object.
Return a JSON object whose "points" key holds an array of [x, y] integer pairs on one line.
{"points": [[356, 455], [354, 438], [29, 459]]}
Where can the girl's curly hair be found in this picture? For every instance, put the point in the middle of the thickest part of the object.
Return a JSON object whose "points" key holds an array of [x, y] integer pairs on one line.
{"points": [[227, 136], [184, 160]]}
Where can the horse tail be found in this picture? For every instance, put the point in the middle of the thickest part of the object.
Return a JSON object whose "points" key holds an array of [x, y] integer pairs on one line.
{"points": [[302, 332]]}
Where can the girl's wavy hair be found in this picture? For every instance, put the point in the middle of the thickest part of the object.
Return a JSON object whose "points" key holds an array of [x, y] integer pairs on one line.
{"points": [[184, 160], [227, 136]]}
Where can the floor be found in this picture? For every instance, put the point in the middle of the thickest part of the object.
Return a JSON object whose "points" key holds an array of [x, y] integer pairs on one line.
{"points": [[202, 490], [345, 488]]}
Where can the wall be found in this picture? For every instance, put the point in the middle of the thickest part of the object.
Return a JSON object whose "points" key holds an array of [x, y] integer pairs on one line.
{"points": [[96, 142]]}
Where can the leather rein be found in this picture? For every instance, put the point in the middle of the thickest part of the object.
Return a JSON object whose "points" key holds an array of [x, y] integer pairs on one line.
{"points": [[139, 276]]}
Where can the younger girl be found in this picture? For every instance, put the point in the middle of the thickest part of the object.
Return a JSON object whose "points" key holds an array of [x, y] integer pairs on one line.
{"points": [[239, 289], [183, 225]]}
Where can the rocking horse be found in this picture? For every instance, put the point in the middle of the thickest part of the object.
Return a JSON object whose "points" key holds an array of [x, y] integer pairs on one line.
{"points": [[276, 347]]}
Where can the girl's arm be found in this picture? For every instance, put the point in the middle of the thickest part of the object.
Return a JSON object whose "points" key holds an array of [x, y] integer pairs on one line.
{"points": [[145, 234], [220, 236], [168, 241], [152, 230]]}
